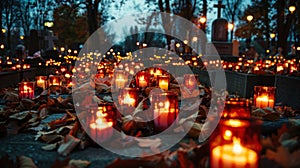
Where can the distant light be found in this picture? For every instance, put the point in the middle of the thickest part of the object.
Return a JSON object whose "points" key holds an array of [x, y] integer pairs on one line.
{"points": [[292, 8], [202, 19], [185, 41], [195, 39], [69, 50], [49, 24], [137, 43], [75, 51], [249, 18], [144, 45], [2, 46], [272, 35], [230, 26], [22, 37], [178, 45], [62, 49], [267, 51], [298, 48], [3, 30]]}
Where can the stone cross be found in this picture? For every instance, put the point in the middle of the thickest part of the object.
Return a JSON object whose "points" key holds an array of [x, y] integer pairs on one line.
{"points": [[219, 6], [49, 39]]}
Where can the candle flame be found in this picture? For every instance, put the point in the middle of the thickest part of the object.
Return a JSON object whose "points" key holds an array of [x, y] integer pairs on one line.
{"points": [[237, 148], [128, 100]]}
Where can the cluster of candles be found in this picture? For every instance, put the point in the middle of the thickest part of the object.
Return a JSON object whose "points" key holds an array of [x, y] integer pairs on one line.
{"points": [[26, 89], [164, 104]]}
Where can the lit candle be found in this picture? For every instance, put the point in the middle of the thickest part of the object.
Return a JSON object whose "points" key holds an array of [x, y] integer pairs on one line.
{"points": [[264, 101], [26, 90], [54, 80], [127, 100], [41, 82], [101, 130], [165, 109], [234, 155], [264, 96], [142, 79], [120, 79], [163, 82]]}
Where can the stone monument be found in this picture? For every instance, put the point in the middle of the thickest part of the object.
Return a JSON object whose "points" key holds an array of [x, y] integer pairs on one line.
{"points": [[219, 36]]}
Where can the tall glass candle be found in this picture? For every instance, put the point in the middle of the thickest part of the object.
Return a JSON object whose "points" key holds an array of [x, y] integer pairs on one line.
{"points": [[41, 82], [163, 82], [264, 96], [165, 109]]}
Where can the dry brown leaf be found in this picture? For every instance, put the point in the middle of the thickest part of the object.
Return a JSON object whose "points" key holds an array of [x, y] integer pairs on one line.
{"points": [[68, 145], [79, 163], [283, 157], [51, 138], [25, 162], [27, 104], [50, 147], [44, 112], [11, 97]]}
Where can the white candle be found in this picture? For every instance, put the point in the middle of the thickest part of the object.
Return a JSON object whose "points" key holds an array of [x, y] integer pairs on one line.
{"points": [[234, 155]]}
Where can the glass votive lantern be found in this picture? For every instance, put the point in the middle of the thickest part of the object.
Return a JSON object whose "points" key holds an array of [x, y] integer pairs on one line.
{"points": [[264, 96], [142, 79], [128, 100], [163, 82], [26, 90], [235, 142], [54, 80], [41, 82], [99, 127], [165, 109], [120, 79], [190, 81]]}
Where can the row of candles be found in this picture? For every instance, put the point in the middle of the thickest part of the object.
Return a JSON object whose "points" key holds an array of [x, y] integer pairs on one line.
{"points": [[26, 89], [283, 66]]}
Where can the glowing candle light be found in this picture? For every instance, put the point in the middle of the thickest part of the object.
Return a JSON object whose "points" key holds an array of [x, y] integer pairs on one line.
{"points": [[41, 82], [163, 82], [264, 96], [165, 109], [234, 155], [26, 90]]}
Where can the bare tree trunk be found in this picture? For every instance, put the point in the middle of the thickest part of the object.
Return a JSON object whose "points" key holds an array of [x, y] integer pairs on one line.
{"points": [[283, 25], [92, 15]]}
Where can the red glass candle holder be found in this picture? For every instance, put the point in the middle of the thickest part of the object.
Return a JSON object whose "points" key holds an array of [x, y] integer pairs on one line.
{"points": [[54, 80], [100, 128], [142, 79], [165, 109], [120, 79], [235, 143], [264, 96], [128, 100], [41, 82], [163, 82], [26, 90]]}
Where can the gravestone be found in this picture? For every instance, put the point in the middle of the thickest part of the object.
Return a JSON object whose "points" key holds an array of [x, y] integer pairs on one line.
{"points": [[49, 41], [219, 30], [219, 36]]}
